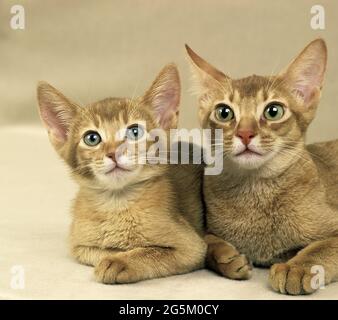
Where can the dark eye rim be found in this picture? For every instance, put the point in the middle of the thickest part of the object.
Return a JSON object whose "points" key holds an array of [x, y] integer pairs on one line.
{"points": [[224, 105], [91, 132], [135, 125], [273, 103]]}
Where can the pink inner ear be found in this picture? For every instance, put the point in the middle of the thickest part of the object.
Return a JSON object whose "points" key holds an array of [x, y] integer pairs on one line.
{"points": [[309, 79], [54, 123], [305, 90], [166, 105]]}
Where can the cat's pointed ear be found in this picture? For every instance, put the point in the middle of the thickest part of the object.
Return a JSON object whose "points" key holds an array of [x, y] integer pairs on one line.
{"points": [[205, 75], [164, 96], [305, 74], [56, 112]]}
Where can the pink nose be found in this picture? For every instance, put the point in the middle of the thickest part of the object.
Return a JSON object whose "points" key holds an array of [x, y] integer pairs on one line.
{"points": [[111, 155], [245, 136]]}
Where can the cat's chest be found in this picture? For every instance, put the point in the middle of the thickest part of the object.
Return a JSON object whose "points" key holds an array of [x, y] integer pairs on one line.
{"points": [[122, 230], [258, 221]]}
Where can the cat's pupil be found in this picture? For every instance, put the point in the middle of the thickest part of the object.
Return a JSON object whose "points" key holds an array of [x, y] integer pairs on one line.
{"points": [[273, 111], [224, 112], [92, 137], [135, 132]]}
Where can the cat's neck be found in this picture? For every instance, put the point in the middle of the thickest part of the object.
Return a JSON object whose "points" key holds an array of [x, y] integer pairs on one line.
{"points": [[106, 199]]}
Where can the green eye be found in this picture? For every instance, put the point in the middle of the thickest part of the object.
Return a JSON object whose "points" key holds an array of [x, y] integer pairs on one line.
{"points": [[91, 138], [273, 111], [223, 112], [134, 132]]}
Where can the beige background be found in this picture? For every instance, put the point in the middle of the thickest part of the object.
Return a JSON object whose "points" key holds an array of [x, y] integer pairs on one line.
{"points": [[94, 49]]}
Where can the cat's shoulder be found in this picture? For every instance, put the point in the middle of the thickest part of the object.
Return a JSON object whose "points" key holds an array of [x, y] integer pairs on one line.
{"points": [[324, 154]]}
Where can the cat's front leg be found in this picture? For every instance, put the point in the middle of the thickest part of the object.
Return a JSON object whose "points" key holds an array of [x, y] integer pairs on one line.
{"points": [[223, 258], [151, 262], [296, 276]]}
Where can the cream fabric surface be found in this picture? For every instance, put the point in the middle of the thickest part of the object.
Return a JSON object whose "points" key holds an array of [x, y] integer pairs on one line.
{"points": [[34, 204]]}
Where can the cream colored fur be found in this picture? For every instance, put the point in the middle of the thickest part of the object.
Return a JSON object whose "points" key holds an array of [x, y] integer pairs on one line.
{"points": [[144, 222]]}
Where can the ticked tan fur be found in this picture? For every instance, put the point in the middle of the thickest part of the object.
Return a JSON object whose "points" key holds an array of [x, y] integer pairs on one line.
{"points": [[145, 223], [281, 209]]}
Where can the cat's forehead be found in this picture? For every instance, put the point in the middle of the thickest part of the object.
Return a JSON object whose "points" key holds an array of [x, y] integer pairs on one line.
{"points": [[251, 87], [252, 92], [116, 111]]}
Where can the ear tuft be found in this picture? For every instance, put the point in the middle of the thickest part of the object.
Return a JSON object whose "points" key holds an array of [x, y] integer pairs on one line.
{"points": [[305, 74], [164, 96], [56, 112]]}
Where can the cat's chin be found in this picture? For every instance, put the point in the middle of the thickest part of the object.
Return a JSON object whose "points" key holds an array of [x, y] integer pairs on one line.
{"points": [[117, 178], [249, 160], [117, 172]]}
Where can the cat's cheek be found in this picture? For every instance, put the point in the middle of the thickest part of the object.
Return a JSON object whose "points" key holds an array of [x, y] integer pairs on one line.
{"points": [[126, 162], [237, 146]]}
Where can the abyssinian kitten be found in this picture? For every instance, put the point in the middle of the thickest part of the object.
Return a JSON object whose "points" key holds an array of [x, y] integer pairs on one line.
{"points": [[276, 199], [131, 221]]}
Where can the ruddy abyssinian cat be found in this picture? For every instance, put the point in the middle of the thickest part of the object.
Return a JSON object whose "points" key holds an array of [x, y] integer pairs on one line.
{"points": [[131, 221], [276, 199]]}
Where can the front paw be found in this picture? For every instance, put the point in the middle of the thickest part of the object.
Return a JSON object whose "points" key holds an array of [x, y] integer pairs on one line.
{"points": [[291, 279], [227, 261], [114, 270]]}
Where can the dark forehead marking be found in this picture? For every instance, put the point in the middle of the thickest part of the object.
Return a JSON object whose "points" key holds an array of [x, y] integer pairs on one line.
{"points": [[250, 86], [231, 96], [109, 109]]}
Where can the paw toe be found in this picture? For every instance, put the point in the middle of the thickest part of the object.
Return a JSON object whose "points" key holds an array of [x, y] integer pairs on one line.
{"points": [[107, 270], [278, 275], [293, 284]]}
